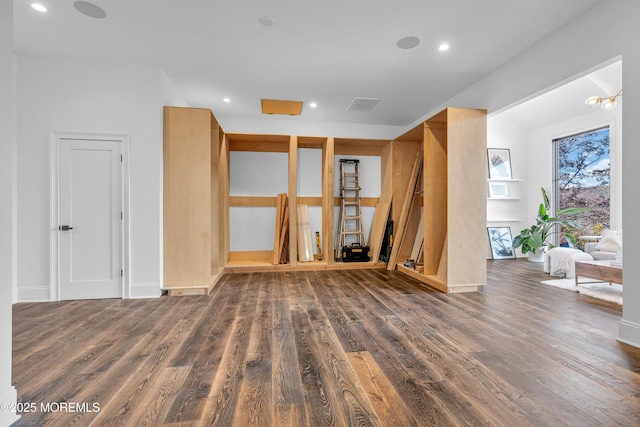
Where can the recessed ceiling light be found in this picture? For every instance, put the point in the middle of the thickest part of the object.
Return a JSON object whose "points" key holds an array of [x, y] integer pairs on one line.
{"points": [[443, 47], [38, 7], [408, 42], [89, 9], [267, 21], [313, 105], [227, 100]]}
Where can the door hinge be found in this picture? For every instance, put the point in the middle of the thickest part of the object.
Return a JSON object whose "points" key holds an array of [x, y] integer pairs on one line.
{"points": [[120, 158], [121, 273], [121, 215]]}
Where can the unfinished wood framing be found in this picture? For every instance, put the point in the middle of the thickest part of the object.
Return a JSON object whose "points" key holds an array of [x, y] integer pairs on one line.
{"points": [[223, 202], [293, 200], [454, 143], [328, 213], [448, 149], [383, 207]]}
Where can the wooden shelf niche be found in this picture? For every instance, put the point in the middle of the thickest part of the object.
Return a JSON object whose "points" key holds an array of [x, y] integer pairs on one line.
{"points": [[330, 147], [454, 201], [359, 148], [262, 260], [260, 175], [196, 182]]}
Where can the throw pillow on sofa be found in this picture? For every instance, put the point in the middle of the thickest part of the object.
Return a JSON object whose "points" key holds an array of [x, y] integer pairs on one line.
{"points": [[611, 241]]}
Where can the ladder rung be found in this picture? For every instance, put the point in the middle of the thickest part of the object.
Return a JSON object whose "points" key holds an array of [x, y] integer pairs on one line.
{"points": [[352, 217]]}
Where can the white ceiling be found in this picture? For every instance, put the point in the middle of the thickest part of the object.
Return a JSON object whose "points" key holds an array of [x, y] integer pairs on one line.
{"points": [[324, 51], [568, 100]]}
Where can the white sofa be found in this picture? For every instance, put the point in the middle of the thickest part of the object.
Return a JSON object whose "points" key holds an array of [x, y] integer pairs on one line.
{"points": [[607, 247]]}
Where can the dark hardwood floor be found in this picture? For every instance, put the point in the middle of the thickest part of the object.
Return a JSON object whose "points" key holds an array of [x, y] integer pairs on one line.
{"points": [[362, 347]]}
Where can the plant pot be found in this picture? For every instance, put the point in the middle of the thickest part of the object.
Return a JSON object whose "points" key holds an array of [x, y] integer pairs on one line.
{"points": [[537, 257]]}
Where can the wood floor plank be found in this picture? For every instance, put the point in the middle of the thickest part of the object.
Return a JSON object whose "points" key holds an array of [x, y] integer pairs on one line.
{"points": [[255, 394], [345, 347], [224, 392], [289, 415], [387, 403], [285, 377], [131, 397], [321, 400], [168, 385], [99, 386]]}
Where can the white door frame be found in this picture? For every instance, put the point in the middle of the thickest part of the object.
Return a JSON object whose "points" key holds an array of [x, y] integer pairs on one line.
{"points": [[54, 253]]}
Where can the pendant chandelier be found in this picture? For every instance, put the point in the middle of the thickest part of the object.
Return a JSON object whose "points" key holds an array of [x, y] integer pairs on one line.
{"points": [[606, 103]]}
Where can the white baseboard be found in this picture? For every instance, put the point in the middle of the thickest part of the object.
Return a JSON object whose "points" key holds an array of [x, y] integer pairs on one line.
{"points": [[41, 293], [629, 333], [145, 290], [34, 294], [8, 397]]}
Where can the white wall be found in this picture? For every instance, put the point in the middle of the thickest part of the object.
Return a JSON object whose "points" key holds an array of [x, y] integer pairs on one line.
{"points": [[571, 52], [266, 174], [7, 206], [260, 175], [502, 132], [80, 96]]}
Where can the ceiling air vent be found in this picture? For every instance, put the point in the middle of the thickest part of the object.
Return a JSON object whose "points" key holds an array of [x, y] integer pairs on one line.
{"points": [[363, 104]]}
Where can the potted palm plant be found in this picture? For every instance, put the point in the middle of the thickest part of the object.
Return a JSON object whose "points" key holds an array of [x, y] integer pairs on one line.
{"points": [[533, 240]]}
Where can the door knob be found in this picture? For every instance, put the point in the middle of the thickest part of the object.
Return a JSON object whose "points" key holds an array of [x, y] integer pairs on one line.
{"points": [[65, 228]]}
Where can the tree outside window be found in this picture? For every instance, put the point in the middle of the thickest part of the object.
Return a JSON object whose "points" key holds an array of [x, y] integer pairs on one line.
{"points": [[582, 177]]}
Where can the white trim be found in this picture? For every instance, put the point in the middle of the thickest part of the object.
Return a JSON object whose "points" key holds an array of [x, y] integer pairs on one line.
{"points": [[34, 294], [629, 333], [9, 396], [54, 252], [145, 290]]}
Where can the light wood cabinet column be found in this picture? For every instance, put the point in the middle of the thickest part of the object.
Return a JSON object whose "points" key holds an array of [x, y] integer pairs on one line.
{"points": [[215, 198], [453, 143], [223, 206], [187, 197], [466, 194], [293, 201], [328, 212], [435, 195]]}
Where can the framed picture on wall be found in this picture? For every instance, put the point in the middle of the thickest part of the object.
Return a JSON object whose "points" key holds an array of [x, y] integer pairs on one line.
{"points": [[498, 190], [499, 160], [501, 243]]}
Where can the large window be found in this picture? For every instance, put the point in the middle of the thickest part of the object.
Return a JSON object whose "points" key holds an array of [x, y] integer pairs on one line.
{"points": [[582, 177]]}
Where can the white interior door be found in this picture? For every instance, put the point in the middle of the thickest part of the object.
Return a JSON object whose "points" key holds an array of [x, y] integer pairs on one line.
{"points": [[90, 194]]}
